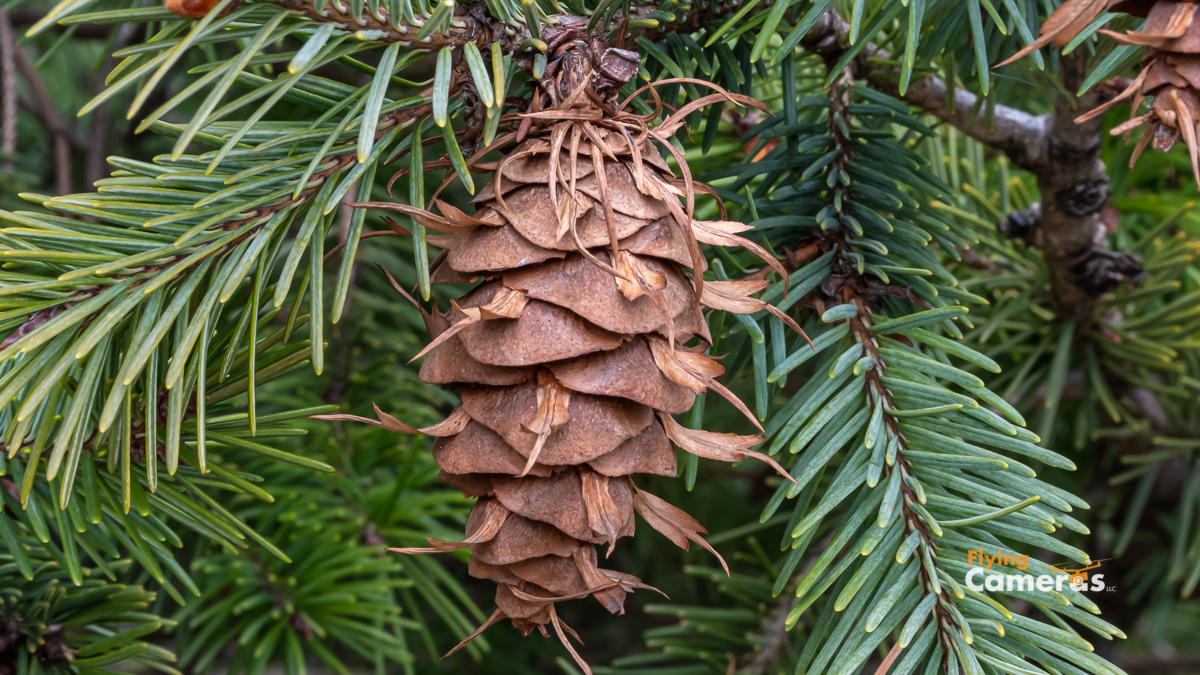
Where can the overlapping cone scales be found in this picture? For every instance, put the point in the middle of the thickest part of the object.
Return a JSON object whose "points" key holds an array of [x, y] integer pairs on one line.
{"points": [[570, 360], [1170, 67], [563, 398]]}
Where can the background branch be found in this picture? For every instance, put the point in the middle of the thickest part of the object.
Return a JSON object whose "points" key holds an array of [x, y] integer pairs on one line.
{"points": [[1064, 157], [8, 92], [1018, 134], [472, 23], [47, 114]]}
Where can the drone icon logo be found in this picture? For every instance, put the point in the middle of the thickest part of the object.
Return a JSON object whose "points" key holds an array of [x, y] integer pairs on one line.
{"points": [[1078, 576]]}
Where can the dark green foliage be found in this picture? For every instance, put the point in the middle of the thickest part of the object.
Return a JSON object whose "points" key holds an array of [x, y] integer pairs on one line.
{"points": [[75, 621], [952, 476]]}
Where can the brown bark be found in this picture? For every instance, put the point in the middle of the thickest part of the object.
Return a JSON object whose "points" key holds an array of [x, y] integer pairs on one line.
{"points": [[1016, 133], [1074, 188]]}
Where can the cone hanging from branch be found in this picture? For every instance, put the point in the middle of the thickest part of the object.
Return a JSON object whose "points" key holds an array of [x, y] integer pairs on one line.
{"points": [[571, 352], [1170, 68]]}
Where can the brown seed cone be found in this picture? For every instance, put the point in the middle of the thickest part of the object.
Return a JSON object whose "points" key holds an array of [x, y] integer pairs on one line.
{"points": [[1170, 67], [570, 356]]}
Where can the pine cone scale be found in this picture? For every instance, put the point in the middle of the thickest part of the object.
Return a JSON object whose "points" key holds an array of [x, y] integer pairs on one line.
{"points": [[545, 332], [628, 372], [452, 364]]}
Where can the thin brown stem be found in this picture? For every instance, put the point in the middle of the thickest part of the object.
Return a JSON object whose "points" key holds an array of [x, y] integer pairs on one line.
{"points": [[877, 392], [47, 113], [8, 92], [468, 25]]}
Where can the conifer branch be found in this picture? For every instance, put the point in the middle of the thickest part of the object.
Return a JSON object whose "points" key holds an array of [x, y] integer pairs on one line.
{"points": [[469, 25], [1018, 134], [879, 397], [1063, 155], [472, 23], [922, 484]]}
